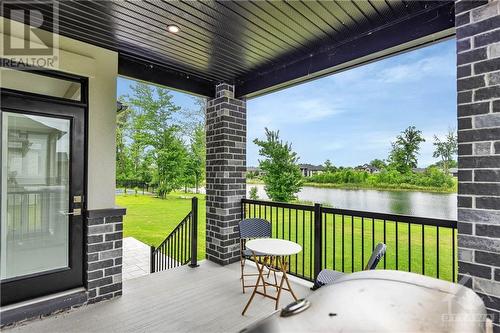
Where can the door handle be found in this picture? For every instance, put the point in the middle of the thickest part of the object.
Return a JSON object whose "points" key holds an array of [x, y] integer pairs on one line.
{"points": [[75, 212]]}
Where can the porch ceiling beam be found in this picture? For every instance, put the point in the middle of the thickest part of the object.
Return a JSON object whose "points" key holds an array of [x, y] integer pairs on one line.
{"points": [[425, 27], [146, 71]]}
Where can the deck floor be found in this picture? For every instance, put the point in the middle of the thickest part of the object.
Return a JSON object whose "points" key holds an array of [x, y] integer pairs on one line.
{"points": [[203, 299]]}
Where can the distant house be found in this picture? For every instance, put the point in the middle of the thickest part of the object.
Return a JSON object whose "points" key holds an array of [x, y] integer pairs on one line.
{"points": [[120, 107], [368, 168], [253, 172], [309, 170], [419, 170], [453, 172], [253, 169]]}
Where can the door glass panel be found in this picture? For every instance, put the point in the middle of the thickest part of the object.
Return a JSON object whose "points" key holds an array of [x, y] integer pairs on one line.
{"points": [[35, 194]]}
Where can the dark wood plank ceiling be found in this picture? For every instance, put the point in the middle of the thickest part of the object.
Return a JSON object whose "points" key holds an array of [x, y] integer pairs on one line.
{"points": [[240, 42]]}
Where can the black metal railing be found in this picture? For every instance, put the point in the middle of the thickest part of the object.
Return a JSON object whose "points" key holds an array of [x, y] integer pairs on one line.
{"points": [[33, 213], [343, 240], [135, 185], [181, 245]]}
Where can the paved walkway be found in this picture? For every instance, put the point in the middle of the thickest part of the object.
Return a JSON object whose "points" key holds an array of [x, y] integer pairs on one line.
{"points": [[135, 258]]}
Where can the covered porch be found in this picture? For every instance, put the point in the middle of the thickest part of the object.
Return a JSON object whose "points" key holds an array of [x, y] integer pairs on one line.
{"points": [[183, 299], [229, 52]]}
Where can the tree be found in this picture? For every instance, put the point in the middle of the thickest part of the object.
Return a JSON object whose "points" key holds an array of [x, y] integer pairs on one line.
{"points": [[281, 173], [439, 164], [123, 161], [189, 119], [157, 137], [158, 142], [171, 162], [197, 156], [378, 163], [403, 155], [446, 149], [329, 167]]}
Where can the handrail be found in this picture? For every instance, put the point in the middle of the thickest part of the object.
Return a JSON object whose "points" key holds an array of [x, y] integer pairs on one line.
{"points": [[342, 239], [181, 223], [279, 204], [180, 246], [358, 213], [46, 189], [393, 217]]}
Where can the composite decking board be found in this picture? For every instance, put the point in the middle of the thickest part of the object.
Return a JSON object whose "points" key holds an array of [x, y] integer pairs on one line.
{"points": [[203, 299]]}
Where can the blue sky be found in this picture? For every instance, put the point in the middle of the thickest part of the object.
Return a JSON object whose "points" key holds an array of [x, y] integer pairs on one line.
{"points": [[351, 117]]}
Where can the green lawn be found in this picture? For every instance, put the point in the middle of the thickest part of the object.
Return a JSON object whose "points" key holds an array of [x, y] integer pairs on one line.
{"points": [[151, 219], [360, 236]]}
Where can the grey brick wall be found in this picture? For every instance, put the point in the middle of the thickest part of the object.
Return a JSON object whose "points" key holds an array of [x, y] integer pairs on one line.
{"points": [[225, 179], [104, 254], [478, 87]]}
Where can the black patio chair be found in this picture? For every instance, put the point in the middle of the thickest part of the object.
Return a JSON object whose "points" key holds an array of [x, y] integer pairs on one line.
{"points": [[249, 229], [327, 276]]}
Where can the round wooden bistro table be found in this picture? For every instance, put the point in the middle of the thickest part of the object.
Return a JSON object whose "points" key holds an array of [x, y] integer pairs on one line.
{"points": [[268, 248]]}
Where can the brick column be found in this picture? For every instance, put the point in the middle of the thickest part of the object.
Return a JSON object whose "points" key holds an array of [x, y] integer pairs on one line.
{"points": [[104, 254], [225, 179], [478, 78]]}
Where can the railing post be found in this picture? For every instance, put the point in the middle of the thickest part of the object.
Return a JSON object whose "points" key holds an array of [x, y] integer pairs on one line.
{"points": [[152, 260], [194, 233], [318, 255], [242, 207]]}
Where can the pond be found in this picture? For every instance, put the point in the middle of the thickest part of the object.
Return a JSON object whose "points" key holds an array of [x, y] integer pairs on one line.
{"points": [[423, 204]]}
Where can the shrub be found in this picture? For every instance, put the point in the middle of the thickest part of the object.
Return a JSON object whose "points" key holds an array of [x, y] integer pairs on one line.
{"points": [[345, 176], [432, 177], [254, 193]]}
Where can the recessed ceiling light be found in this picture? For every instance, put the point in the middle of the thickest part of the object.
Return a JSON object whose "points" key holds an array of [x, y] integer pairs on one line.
{"points": [[173, 28]]}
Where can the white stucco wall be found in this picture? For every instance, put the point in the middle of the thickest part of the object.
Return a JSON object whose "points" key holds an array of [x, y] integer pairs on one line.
{"points": [[101, 67]]}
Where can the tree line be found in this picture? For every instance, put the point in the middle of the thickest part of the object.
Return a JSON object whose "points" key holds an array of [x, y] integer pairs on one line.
{"points": [[163, 145], [283, 180], [159, 143]]}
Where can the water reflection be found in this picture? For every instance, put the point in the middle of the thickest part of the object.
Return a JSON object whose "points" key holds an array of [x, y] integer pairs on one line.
{"points": [[436, 205]]}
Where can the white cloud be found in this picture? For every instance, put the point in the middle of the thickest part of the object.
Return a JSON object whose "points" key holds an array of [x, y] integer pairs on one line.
{"points": [[352, 117], [421, 69], [313, 110], [291, 110]]}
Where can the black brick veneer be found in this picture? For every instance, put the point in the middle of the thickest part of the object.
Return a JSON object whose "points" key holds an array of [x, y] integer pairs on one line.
{"points": [[104, 254], [225, 179], [478, 97]]}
